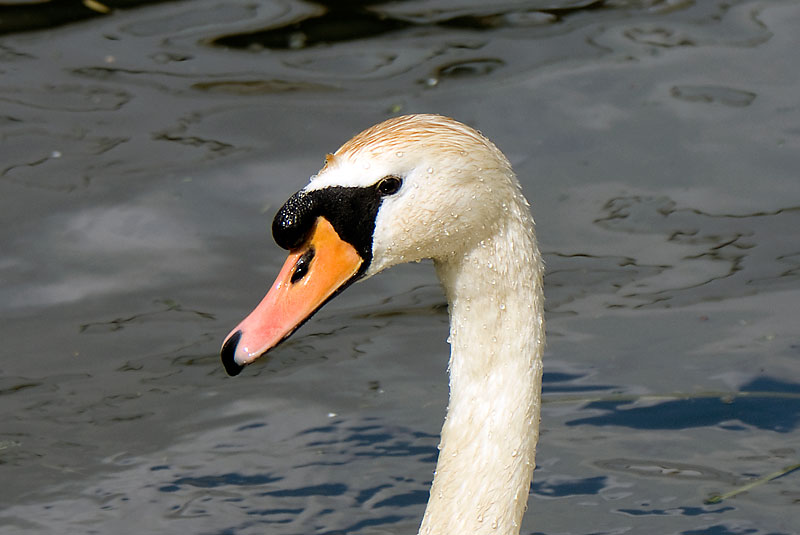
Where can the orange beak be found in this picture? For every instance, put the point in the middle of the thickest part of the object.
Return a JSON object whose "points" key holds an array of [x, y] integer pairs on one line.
{"points": [[312, 274]]}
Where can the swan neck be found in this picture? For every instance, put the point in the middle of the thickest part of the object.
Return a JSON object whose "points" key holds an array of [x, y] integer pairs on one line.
{"points": [[488, 444]]}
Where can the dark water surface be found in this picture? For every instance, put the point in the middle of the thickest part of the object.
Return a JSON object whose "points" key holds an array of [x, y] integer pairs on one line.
{"points": [[144, 150]]}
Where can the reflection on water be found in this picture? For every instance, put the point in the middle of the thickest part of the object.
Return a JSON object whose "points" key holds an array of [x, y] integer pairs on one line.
{"points": [[326, 23], [144, 148], [749, 408]]}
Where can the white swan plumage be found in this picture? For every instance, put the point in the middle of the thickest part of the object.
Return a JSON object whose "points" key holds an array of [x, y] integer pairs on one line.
{"points": [[427, 186]]}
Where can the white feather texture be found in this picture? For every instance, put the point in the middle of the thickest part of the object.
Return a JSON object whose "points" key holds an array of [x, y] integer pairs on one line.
{"points": [[461, 205]]}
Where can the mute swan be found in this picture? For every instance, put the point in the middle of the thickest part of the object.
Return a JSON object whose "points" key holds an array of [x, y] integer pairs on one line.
{"points": [[426, 186]]}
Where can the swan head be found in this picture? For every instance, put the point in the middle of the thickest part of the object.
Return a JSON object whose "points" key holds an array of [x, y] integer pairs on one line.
{"points": [[412, 187]]}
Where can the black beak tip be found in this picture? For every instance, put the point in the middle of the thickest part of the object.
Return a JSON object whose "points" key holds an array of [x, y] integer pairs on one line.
{"points": [[227, 353]]}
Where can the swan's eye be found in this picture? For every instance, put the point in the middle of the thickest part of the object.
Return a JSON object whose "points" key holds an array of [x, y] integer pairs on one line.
{"points": [[389, 185]]}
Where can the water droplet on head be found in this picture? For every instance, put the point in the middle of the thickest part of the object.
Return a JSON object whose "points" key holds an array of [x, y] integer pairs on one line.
{"points": [[399, 154]]}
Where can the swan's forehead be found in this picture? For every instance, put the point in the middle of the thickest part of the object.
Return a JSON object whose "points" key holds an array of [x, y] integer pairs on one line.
{"points": [[357, 172]]}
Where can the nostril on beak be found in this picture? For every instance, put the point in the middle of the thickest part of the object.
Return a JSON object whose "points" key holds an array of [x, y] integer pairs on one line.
{"points": [[228, 352], [302, 266]]}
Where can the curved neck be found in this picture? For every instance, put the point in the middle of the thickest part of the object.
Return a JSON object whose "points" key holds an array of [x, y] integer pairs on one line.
{"points": [[488, 442]]}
